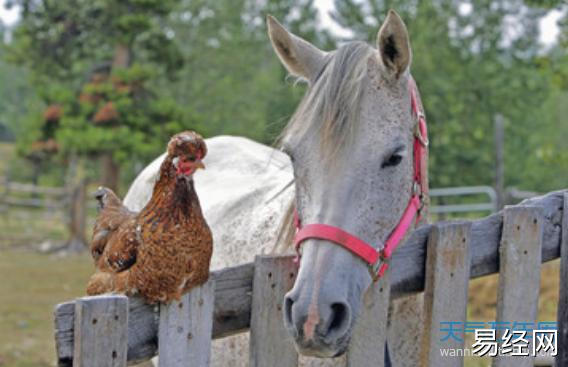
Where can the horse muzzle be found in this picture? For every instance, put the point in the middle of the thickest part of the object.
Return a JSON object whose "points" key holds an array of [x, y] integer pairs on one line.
{"points": [[320, 326]]}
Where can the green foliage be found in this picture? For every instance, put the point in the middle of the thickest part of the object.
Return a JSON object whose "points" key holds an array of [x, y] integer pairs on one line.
{"points": [[63, 39], [199, 65], [232, 80], [17, 97], [208, 66], [119, 115], [88, 48]]}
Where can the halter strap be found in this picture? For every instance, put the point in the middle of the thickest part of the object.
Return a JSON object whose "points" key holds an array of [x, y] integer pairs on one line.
{"points": [[377, 260]]}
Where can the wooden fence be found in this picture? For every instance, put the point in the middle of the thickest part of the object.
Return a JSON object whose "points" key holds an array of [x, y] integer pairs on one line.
{"points": [[68, 202], [48, 198], [438, 260]]}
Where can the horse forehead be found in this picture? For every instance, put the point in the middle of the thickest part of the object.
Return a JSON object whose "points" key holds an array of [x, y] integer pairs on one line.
{"points": [[383, 102]]}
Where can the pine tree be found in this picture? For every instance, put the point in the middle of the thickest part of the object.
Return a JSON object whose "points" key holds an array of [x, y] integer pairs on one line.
{"points": [[97, 63]]}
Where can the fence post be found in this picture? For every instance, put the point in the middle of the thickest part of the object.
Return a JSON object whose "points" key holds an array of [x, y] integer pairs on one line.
{"points": [[562, 358], [270, 344], [499, 160], [101, 331], [519, 275], [367, 346], [445, 291], [185, 331]]}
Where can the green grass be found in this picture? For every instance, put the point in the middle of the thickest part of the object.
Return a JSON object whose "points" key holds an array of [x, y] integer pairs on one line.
{"points": [[19, 227], [32, 284]]}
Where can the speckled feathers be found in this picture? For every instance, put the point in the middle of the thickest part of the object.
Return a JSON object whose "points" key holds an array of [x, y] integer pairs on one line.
{"points": [[163, 251]]}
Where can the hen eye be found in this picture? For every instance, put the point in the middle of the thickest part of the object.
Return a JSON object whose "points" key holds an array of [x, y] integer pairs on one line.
{"points": [[392, 161]]}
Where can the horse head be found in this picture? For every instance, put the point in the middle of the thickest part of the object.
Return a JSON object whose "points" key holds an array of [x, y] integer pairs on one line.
{"points": [[351, 142]]}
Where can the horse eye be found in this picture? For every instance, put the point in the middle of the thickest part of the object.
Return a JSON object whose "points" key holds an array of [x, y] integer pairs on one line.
{"points": [[392, 161]]}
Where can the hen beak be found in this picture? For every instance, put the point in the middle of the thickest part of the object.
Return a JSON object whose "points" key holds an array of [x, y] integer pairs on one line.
{"points": [[198, 165]]}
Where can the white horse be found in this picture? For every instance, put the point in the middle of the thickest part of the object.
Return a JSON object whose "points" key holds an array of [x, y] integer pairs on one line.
{"points": [[352, 164]]}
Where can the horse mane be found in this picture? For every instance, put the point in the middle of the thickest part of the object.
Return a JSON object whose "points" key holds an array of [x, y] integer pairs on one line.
{"points": [[330, 108]]}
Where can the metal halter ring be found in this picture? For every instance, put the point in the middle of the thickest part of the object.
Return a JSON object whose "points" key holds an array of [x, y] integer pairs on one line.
{"points": [[374, 268]]}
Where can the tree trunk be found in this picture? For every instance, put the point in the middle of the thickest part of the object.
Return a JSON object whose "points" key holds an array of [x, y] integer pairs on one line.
{"points": [[110, 168], [77, 242], [111, 172], [121, 56]]}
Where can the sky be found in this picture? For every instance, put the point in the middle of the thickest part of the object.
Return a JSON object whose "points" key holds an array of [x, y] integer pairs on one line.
{"points": [[548, 27]]}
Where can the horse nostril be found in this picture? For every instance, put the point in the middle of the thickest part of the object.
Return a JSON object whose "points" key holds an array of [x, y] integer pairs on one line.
{"points": [[288, 303], [338, 313], [339, 319]]}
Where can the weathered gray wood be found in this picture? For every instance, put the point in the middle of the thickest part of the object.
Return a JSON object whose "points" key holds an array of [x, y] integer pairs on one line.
{"points": [[142, 332], [34, 189], [562, 357], [64, 317], [233, 299], [445, 291], [270, 343], [101, 331], [519, 276], [184, 337], [409, 259], [233, 296], [367, 346], [234, 285]]}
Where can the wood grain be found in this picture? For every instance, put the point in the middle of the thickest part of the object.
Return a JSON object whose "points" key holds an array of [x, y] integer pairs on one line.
{"points": [[519, 277], [270, 343], [367, 346], [186, 328], [445, 293], [101, 331]]}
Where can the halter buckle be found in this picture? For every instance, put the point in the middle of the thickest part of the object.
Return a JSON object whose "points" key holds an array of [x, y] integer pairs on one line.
{"points": [[417, 191], [374, 269], [418, 133]]}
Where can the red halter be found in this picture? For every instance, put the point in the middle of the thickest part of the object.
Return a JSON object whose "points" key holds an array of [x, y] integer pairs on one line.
{"points": [[378, 259]]}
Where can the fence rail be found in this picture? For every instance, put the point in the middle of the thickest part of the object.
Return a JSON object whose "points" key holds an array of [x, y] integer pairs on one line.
{"points": [[489, 191], [51, 197], [71, 204], [519, 237], [67, 202]]}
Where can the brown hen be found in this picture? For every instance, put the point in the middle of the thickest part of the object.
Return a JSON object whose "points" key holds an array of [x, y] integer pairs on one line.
{"points": [[163, 251]]}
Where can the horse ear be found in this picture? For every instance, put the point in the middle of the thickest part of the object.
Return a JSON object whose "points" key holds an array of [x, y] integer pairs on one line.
{"points": [[393, 44], [300, 57]]}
